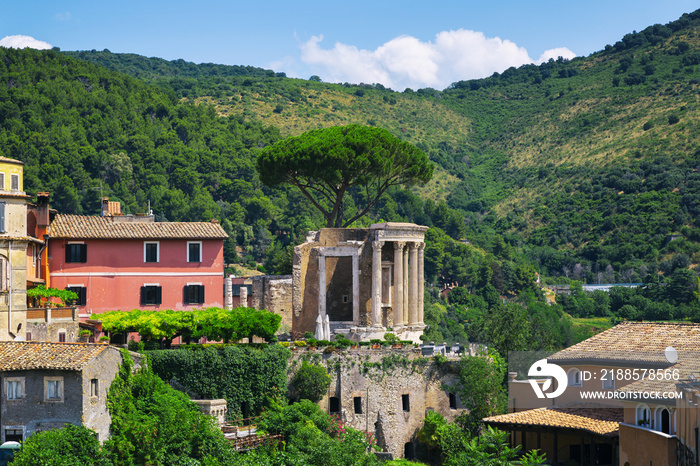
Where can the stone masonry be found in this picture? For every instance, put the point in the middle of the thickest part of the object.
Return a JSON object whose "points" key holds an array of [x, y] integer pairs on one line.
{"points": [[388, 393]]}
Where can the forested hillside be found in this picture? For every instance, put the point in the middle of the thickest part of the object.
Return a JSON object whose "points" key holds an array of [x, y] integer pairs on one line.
{"points": [[582, 169], [591, 163]]}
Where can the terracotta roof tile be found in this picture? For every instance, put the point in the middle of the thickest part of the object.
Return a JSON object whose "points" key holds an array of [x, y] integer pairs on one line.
{"points": [[86, 227], [601, 421], [634, 342], [19, 356]]}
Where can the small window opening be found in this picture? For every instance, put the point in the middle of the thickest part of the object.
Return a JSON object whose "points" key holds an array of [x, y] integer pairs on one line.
{"points": [[94, 387], [14, 435], [346, 298], [334, 404], [61, 337], [358, 404], [453, 401], [405, 401]]}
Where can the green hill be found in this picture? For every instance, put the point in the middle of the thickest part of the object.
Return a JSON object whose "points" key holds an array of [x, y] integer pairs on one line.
{"points": [[586, 166]]}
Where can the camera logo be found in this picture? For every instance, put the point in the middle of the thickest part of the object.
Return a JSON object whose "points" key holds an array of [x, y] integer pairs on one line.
{"points": [[541, 369]]}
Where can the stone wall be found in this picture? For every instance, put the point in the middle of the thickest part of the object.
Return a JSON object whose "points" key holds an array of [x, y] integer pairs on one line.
{"points": [[45, 324], [387, 392], [274, 293]]}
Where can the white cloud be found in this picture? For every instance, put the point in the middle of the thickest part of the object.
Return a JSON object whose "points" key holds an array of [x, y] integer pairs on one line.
{"points": [[21, 42], [407, 62], [556, 53]]}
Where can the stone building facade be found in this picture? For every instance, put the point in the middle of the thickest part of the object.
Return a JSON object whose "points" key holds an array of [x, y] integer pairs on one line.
{"points": [[46, 385], [388, 393], [14, 243], [366, 280]]}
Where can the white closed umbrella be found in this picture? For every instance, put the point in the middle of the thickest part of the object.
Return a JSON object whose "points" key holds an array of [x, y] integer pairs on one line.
{"points": [[327, 328], [319, 328]]}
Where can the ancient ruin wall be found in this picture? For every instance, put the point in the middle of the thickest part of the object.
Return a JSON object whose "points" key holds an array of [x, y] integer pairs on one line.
{"points": [[386, 382]]}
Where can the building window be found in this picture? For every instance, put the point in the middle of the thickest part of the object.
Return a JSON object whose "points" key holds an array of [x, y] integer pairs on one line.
{"points": [[194, 251], [14, 388], [334, 404], [76, 252], [14, 182], [609, 382], [151, 294], [94, 387], [81, 291], [2, 182], [13, 434], [643, 415], [662, 420], [61, 336], [29, 336], [405, 402], [194, 294], [574, 376], [357, 401], [151, 252], [2, 217], [53, 389]]}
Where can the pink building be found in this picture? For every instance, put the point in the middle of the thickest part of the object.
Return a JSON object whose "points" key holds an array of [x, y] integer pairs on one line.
{"points": [[120, 262]]}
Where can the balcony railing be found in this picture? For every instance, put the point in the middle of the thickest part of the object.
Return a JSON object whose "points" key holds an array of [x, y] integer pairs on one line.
{"points": [[47, 314]]}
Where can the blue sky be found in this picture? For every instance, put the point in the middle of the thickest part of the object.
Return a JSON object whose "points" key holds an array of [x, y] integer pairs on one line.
{"points": [[396, 43]]}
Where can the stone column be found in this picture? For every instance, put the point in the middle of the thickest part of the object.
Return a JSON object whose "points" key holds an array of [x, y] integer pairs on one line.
{"points": [[322, 285], [398, 283], [413, 285], [377, 283], [228, 287], [421, 282], [243, 297], [405, 284]]}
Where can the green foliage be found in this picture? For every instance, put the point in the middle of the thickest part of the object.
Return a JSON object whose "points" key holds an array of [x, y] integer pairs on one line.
{"points": [[456, 448], [242, 375], [213, 323], [155, 424], [325, 164], [481, 390], [314, 438], [310, 382], [44, 294], [69, 446]]}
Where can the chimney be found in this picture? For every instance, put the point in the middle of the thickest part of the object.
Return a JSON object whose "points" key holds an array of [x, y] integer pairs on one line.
{"points": [[42, 209], [110, 208]]}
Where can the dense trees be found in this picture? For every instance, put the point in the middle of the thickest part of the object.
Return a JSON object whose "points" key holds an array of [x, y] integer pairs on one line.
{"points": [[325, 164], [154, 424]]}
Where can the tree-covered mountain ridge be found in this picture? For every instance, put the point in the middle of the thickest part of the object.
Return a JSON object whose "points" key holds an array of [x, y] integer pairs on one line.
{"points": [[591, 161], [588, 162]]}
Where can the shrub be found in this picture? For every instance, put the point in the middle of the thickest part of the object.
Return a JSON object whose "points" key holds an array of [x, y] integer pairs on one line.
{"points": [[310, 382], [74, 445]]}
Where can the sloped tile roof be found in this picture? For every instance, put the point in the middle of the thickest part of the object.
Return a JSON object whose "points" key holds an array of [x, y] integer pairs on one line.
{"points": [[88, 227], [634, 342], [600, 421], [27, 355], [687, 371]]}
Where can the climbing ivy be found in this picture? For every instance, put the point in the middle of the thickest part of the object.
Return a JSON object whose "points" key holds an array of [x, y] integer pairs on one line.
{"points": [[239, 374]]}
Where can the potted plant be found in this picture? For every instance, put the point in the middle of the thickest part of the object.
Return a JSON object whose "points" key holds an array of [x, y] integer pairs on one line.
{"points": [[311, 343], [392, 340], [84, 335], [376, 343]]}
